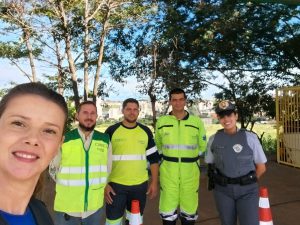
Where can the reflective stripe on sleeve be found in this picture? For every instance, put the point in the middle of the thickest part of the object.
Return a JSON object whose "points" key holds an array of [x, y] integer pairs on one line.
{"points": [[151, 150]]}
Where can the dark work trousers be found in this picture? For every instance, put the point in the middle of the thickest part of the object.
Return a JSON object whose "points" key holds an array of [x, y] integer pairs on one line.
{"points": [[237, 201], [61, 218], [122, 200]]}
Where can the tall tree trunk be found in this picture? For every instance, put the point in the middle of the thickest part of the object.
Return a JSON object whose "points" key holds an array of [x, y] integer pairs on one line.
{"points": [[86, 51], [151, 88], [100, 57], [72, 70], [153, 101], [60, 75], [71, 62], [30, 54]]}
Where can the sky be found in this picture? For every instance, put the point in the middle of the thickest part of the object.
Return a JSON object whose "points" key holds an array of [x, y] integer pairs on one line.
{"points": [[10, 73]]}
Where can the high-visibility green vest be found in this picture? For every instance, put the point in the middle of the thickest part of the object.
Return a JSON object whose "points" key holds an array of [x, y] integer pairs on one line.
{"points": [[180, 138], [82, 175]]}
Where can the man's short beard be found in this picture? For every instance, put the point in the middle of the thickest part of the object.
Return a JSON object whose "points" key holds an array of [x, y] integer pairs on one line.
{"points": [[130, 121], [84, 128]]}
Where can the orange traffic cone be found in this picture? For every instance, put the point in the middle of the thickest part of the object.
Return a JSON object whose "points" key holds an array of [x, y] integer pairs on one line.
{"points": [[135, 216], [265, 216]]}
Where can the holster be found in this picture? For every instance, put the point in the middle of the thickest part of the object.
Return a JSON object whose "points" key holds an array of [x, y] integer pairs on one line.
{"points": [[211, 177], [221, 180]]}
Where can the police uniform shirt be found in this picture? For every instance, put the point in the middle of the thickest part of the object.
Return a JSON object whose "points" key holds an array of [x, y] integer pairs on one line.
{"points": [[236, 148]]}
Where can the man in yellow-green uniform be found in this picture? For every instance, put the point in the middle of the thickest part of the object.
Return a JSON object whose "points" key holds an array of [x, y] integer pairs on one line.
{"points": [[180, 139], [80, 171], [132, 146]]}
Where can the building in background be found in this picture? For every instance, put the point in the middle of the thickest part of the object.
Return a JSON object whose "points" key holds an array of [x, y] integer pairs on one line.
{"points": [[112, 110]]}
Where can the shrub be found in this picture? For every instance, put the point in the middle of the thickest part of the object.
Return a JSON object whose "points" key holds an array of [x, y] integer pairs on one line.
{"points": [[269, 144]]}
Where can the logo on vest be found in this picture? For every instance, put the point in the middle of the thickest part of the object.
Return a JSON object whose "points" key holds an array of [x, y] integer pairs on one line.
{"points": [[237, 148], [166, 134], [100, 147], [142, 142]]}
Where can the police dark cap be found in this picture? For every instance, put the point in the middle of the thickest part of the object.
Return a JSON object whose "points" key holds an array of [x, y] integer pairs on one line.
{"points": [[225, 107]]}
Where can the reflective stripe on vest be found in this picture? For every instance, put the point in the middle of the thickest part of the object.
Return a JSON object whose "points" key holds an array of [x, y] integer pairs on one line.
{"points": [[180, 147], [128, 157], [82, 174], [92, 181], [81, 170]]}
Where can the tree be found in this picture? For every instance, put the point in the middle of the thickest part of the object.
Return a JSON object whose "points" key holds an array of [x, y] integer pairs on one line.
{"points": [[250, 46], [251, 95], [83, 24], [152, 53], [253, 48], [14, 12]]}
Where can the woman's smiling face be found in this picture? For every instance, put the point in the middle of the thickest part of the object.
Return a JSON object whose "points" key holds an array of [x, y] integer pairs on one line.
{"points": [[31, 132]]}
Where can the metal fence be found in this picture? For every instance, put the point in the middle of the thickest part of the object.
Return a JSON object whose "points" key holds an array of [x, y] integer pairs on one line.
{"points": [[288, 125]]}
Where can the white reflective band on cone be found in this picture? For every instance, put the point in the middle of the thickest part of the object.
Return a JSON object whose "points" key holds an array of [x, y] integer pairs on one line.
{"points": [[266, 223], [264, 203]]}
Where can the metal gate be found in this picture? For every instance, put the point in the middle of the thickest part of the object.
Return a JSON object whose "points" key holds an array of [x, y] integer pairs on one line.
{"points": [[288, 125]]}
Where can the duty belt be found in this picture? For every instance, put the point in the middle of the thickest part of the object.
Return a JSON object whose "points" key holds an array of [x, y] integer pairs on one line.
{"points": [[182, 159], [222, 180]]}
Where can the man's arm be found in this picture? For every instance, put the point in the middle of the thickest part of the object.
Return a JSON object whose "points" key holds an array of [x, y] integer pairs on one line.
{"points": [[202, 138], [153, 186], [153, 158], [158, 137], [108, 191]]}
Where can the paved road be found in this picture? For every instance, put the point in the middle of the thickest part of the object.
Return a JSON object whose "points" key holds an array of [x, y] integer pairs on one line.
{"points": [[283, 183]]}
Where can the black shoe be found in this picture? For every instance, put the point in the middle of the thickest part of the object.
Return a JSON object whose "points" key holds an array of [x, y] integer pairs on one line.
{"points": [[167, 222], [187, 222]]}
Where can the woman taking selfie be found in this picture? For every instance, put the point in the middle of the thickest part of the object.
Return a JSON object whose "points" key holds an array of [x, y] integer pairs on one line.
{"points": [[32, 122]]}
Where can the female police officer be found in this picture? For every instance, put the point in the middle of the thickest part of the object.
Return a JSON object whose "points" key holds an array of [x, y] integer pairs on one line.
{"points": [[238, 160]]}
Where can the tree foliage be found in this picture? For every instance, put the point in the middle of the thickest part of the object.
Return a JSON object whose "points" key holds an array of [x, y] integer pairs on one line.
{"points": [[252, 47], [245, 48]]}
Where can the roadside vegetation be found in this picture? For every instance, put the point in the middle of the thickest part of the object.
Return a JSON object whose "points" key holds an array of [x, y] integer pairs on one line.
{"points": [[265, 132]]}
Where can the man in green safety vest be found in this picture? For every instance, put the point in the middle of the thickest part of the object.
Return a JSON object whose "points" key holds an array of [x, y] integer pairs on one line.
{"points": [[180, 139], [132, 147], [80, 171]]}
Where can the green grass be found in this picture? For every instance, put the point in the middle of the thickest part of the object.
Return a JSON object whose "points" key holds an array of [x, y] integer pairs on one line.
{"points": [[267, 129], [101, 128]]}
